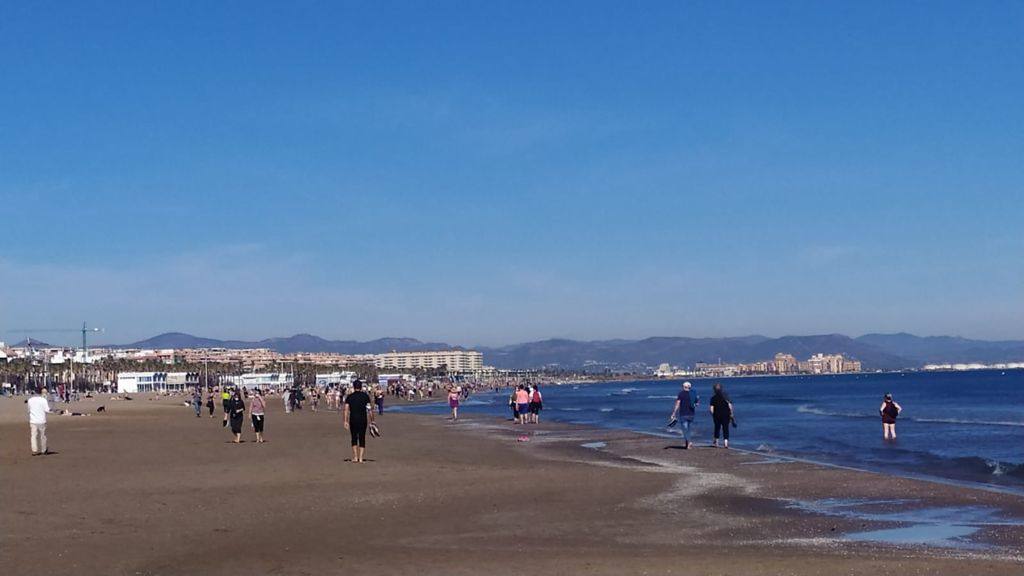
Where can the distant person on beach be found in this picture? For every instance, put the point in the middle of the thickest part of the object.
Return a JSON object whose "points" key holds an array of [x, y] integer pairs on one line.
{"points": [[236, 406], [209, 403], [453, 402], [197, 401], [523, 404], [38, 408], [889, 410], [225, 400], [536, 404], [257, 411], [378, 398], [685, 409], [357, 417], [513, 406], [721, 413]]}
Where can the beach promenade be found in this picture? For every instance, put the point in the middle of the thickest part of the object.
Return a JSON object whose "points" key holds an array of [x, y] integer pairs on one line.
{"points": [[147, 488]]}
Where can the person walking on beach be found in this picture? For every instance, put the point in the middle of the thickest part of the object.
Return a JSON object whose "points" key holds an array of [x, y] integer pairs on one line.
{"points": [[378, 398], [197, 401], [685, 409], [236, 408], [358, 416], [721, 413], [209, 403], [523, 404], [536, 404], [38, 408], [225, 400], [513, 406], [257, 412], [889, 410], [453, 402]]}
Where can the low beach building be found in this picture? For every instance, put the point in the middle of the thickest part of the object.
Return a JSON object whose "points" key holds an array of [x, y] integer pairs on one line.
{"points": [[273, 380], [135, 382]]}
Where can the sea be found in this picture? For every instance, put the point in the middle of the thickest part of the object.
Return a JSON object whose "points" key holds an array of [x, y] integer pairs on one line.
{"points": [[958, 427]]}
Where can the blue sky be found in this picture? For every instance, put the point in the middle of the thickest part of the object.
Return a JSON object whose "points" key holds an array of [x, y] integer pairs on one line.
{"points": [[488, 172]]}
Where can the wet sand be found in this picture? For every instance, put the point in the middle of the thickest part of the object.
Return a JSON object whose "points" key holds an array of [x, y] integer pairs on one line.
{"points": [[147, 488]]}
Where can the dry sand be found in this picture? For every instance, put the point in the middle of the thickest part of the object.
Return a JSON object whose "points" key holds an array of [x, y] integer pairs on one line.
{"points": [[147, 488]]}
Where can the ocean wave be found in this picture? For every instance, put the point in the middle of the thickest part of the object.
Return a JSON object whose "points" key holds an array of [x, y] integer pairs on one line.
{"points": [[661, 397], [970, 422], [607, 409], [811, 409]]}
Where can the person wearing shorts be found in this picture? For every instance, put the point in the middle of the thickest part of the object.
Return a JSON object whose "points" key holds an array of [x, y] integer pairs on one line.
{"points": [[358, 416], [523, 404]]}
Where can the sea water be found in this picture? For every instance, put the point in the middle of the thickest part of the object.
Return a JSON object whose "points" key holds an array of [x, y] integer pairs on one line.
{"points": [[958, 426]]}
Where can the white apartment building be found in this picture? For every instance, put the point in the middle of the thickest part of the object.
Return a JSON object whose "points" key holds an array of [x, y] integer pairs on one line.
{"points": [[454, 360]]}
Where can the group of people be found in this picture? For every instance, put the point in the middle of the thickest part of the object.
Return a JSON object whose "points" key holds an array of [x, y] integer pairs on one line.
{"points": [[685, 410], [357, 414], [723, 417], [526, 403]]}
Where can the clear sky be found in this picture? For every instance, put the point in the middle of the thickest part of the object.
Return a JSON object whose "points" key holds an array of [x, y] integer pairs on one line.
{"points": [[493, 172]]}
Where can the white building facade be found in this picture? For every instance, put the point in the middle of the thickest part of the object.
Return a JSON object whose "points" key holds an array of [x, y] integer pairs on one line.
{"points": [[452, 360]]}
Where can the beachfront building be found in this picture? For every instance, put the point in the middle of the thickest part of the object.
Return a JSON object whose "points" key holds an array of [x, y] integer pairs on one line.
{"points": [[134, 382], [785, 363], [452, 360], [335, 379], [274, 380]]}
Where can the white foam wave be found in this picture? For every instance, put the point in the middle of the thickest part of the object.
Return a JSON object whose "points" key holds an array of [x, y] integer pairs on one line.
{"points": [[960, 421], [809, 409]]}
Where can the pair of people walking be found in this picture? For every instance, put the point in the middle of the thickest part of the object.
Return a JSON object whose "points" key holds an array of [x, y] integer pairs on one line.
{"points": [[236, 414], [685, 410]]}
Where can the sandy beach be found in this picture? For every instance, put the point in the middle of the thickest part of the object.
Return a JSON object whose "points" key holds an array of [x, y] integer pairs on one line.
{"points": [[147, 488]]}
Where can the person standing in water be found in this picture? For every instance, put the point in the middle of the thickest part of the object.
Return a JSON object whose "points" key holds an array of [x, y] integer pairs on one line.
{"points": [[536, 404], [257, 411], [721, 413], [685, 409], [236, 410], [889, 410], [358, 416]]}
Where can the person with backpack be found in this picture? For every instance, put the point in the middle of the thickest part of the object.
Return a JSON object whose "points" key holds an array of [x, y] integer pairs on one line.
{"points": [[536, 404], [685, 409], [889, 410]]}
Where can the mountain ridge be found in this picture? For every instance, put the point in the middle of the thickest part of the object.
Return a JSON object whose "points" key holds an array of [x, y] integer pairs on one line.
{"points": [[874, 350]]}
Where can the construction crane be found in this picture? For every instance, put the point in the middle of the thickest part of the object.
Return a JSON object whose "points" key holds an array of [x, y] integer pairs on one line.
{"points": [[85, 330]]}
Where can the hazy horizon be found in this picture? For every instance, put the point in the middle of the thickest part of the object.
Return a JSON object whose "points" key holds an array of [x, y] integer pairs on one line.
{"points": [[487, 174]]}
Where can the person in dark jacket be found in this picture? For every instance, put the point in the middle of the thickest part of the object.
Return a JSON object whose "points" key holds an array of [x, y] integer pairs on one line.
{"points": [[236, 412], [889, 410], [721, 413]]}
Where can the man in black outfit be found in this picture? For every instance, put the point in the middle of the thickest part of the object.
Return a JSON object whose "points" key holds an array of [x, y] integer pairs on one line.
{"points": [[357, 417]]}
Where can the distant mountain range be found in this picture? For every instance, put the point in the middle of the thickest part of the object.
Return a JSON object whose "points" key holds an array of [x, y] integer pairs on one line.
{"points": [[296, 343], [875, 351]]}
